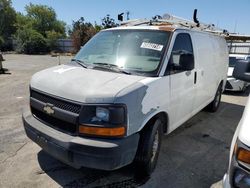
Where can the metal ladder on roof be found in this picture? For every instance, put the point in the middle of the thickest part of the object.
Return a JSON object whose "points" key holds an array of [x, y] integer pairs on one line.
{"points": [[178, 22]]}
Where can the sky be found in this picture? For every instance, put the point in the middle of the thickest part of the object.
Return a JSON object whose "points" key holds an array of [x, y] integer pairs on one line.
{"points": [[232, 15]]}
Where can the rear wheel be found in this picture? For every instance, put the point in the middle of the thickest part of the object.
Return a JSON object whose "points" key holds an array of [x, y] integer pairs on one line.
{"points": [[214, 105], [149, 147]]}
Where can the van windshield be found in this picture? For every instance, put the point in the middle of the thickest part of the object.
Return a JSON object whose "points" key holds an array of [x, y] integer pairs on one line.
{"points": [[136, 51]]}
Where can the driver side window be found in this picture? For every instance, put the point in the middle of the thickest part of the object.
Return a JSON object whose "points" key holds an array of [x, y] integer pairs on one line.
{"points": [[181, 58]]}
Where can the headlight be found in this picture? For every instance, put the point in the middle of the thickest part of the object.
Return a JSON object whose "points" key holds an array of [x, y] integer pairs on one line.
{"points": [[102, 114], [241, 179], [103, 120]]}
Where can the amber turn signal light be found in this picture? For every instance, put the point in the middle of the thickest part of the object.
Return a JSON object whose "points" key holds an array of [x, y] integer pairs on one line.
{"points": [[100, 131], [243, 155]]}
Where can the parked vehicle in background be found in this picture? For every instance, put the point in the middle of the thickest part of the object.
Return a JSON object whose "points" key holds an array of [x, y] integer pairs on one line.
{"points": [[238, 174], [124, 89], [234, 84]]}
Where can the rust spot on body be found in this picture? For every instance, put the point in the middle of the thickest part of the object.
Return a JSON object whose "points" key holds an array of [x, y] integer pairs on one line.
{"points": [[166, 27]]}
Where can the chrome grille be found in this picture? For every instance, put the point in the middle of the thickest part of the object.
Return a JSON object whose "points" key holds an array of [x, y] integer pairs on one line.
{"points": [[64, 105]]}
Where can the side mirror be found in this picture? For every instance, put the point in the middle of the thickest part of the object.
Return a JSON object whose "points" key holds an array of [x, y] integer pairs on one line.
{"points": [[242, 70], [187, 61]]}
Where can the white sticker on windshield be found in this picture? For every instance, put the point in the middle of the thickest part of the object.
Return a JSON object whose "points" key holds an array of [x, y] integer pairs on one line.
{"points": [[152, 46]]}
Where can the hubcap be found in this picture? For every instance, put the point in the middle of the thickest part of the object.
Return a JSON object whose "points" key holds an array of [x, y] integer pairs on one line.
{"points": [[155, 146]]}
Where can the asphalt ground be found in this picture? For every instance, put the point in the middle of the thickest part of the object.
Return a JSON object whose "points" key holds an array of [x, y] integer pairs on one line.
{"points": [[194, 155]]}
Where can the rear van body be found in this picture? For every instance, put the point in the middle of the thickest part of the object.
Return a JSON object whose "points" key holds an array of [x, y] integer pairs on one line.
{"points": [[124, 89]]}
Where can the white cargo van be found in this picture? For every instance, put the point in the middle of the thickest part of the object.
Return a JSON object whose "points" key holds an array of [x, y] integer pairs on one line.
{"points": [[124, 89], [238, 173]]}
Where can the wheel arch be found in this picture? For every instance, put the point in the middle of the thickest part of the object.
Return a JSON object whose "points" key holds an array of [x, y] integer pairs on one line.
{"points": [[151, 119], [223, 84]]}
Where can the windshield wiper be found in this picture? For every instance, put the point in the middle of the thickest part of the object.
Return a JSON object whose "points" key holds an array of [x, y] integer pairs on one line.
{"points": [[80, 62], [112, 67]]}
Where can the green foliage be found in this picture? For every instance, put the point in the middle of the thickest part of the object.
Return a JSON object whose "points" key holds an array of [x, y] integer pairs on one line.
{"points": [[7, 22], [23, 21], [29, 41], [98, 27], [39, 30], [108, 22], [44, 19]]}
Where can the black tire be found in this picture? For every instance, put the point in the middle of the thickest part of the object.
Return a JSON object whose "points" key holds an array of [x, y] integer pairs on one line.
{"points": [[149, 148], [244, 88], [214, 105]]}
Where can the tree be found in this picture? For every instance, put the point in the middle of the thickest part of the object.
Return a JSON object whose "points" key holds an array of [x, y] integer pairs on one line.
{"points": [[1, 41], [23, 21], [52, 37], [39, 27], [7, 23], [97, 27], [81, 32], [108, 22], [29, 41], [44, 19]]}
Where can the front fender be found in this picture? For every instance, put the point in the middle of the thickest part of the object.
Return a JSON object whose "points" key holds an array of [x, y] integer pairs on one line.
{"points": [[144, 100], [152, 115]]}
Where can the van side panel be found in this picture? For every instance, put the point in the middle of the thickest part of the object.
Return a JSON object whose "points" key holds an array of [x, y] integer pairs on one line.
{"points": [[221, 57], [211, 57]]}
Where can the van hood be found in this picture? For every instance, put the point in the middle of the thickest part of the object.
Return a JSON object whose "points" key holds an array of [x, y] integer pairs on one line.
{"points": [[81, 84], [244, 124], [230, 71]]}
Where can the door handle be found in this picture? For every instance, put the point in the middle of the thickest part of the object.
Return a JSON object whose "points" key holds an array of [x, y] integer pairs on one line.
{"points": [[195, 77]]}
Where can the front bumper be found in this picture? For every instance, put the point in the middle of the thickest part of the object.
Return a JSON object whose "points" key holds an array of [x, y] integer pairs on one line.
{"points": [[103, 154]]}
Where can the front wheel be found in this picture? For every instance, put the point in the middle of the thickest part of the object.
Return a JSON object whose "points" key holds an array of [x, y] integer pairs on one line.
{"points": [[214, 105], [149, 147]]}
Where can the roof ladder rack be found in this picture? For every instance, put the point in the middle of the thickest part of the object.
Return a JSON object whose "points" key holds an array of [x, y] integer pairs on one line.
{"points": [[177, 21]]}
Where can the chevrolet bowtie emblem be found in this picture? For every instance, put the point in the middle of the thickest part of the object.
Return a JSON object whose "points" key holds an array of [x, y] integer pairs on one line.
{"points": [[48, 109]]}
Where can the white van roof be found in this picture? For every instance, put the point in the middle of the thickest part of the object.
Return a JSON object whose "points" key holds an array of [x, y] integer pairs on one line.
{"points": [[170, 24], [145, 27]]}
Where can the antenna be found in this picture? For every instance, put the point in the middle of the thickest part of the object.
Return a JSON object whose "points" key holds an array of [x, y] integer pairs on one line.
{"points": [[127, 13], [120, 17], [195, 18]]}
